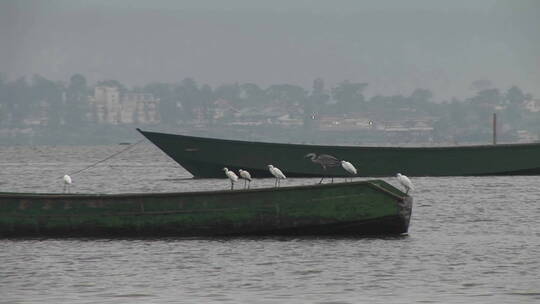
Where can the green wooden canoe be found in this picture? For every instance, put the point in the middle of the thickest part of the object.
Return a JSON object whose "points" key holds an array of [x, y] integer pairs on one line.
{"points": [[206, 157], [353, 208]]}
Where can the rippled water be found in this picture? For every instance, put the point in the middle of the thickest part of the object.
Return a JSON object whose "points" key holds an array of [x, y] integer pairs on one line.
{"points": [[471, 240]]}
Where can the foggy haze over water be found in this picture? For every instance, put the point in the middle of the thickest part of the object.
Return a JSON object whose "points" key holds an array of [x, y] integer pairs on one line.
{"points": [[394, 46], [472, 239]]}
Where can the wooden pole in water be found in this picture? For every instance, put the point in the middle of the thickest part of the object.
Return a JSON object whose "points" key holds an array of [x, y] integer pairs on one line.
{"points": [[494, 128]]}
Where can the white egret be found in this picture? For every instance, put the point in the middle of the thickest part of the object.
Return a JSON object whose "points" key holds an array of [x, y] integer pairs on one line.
{"points": [[348, 167], [277, 174], [325, 160], [405, 182], [67, 182], [246, 177], [232, 177]]}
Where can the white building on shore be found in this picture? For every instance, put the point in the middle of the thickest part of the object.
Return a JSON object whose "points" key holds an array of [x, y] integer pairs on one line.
{"points": [[110, 106]]}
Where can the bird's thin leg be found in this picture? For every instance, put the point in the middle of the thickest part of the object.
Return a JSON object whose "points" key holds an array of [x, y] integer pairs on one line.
{"points": [[320, 182], [332, 179], [249, 184], [232, 185]]}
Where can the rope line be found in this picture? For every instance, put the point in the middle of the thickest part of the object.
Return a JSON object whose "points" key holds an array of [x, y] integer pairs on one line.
{"points": [[105, 159]]}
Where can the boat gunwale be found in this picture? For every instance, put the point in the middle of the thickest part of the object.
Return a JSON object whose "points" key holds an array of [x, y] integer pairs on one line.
{"points": [[369, 183], [245, 142]]}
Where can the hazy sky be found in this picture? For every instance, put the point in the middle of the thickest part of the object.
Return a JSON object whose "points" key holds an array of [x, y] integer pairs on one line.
{"points": [[395, 46]]}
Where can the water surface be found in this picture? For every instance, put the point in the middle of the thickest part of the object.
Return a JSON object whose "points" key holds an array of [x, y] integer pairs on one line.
{"points": [[471, 240]]}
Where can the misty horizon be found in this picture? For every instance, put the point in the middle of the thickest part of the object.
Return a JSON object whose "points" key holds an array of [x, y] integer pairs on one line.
{"points": [[395, 48]]}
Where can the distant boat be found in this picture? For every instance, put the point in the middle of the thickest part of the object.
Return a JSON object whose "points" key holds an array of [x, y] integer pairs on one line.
{"points": [[354, 208], [206, 157]]}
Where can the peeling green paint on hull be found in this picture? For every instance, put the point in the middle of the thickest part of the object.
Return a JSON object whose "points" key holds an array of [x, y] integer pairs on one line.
{"points": [[355, 208], [206, 157]]}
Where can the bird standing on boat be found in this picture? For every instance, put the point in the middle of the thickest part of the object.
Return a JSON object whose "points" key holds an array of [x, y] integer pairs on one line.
{"points": [[325, 160], [232, 177], [277, 174], [67, 182], [246, 177], [348, 167], [405, 182]]}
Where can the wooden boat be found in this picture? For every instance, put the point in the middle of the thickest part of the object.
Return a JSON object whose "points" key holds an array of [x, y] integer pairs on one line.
{"points": [[353, 208], [206, 157]]}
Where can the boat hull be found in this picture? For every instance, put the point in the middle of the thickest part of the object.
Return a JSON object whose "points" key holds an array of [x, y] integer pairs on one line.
{"points": [[355, 208], [206, 157]]}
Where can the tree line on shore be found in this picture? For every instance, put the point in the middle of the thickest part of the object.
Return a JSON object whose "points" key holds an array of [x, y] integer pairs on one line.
{"points": [[67, 104]]}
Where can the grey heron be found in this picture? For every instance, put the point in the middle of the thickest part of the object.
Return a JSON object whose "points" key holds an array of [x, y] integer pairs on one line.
{"points": [[277, 174], [325, 161]]}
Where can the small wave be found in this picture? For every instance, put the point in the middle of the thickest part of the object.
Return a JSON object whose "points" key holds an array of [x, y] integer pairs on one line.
{"points": [[133, 295], [524, 294], [470, 284], [308, 272]]}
